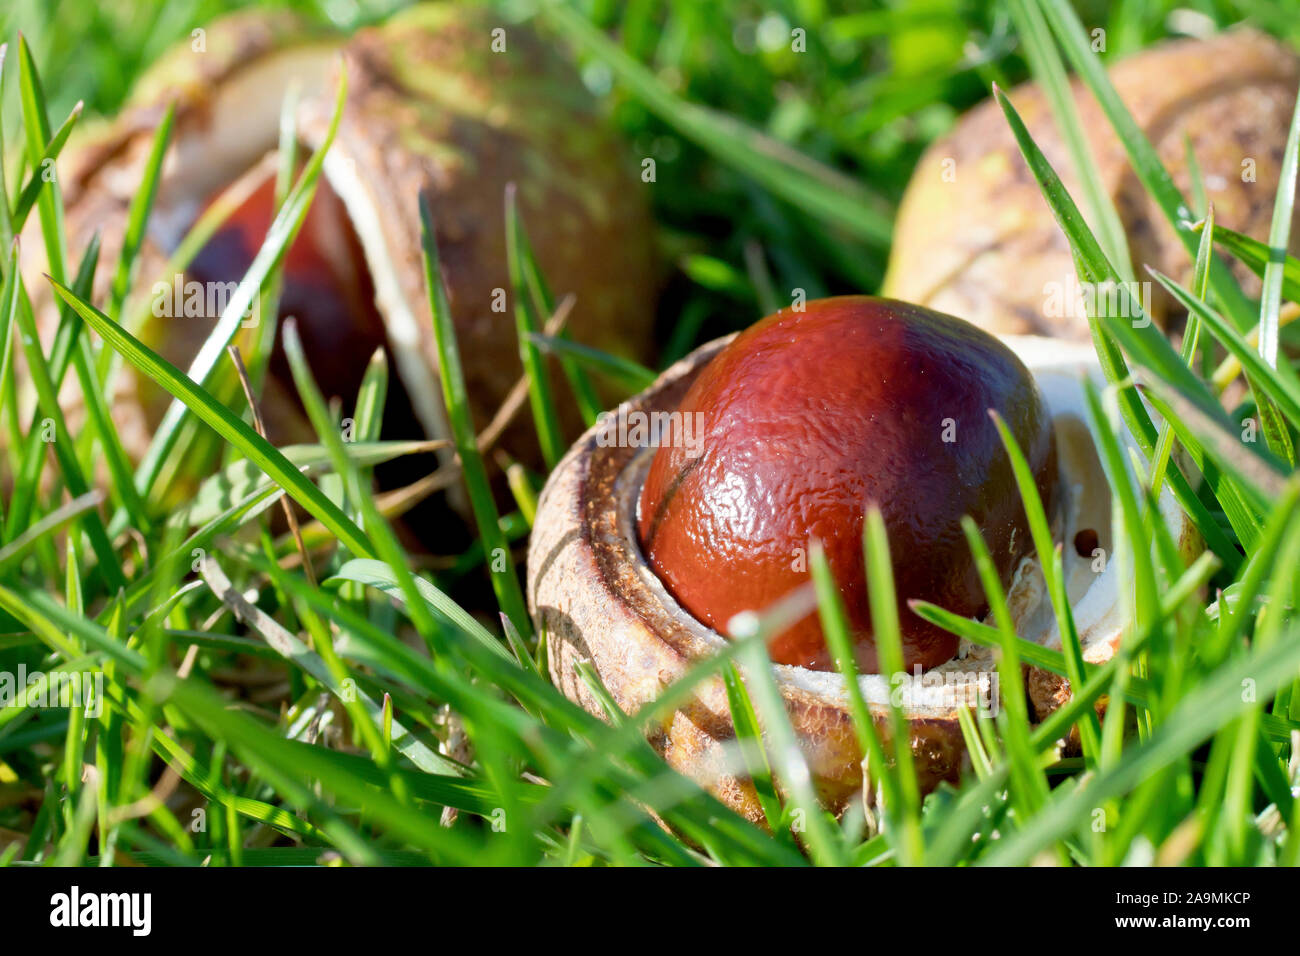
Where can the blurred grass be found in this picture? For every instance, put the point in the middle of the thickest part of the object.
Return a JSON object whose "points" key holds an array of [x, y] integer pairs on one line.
{"points": [[877, 84], [468, 723]]}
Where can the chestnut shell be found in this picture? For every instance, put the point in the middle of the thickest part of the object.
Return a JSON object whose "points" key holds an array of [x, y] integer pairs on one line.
{"points": [[809, 417], [974, 236], [431, 112], [434, 113], [600, 606]]}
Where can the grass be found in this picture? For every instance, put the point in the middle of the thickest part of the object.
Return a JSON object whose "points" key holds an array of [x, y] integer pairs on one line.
{"points": [[407, 716]]}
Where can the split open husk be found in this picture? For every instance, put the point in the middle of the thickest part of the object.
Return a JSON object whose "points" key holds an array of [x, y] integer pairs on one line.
{"points": [[594, 598], [974, 236], [431, 111]]}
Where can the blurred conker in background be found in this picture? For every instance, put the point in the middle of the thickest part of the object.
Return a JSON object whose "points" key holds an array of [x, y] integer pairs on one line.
{"points": [[325, 284]]}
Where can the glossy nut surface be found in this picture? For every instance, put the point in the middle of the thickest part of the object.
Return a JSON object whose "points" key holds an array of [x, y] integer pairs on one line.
{"points": [[325, 285], [806, 419]]}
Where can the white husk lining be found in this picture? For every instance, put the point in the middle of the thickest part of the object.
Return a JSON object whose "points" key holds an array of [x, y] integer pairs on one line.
{"points": [[399, 320]]}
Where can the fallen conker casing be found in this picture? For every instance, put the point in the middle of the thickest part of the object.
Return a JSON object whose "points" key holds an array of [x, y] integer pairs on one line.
{"points": [[432, 110], [975, 238], [595, 598]]}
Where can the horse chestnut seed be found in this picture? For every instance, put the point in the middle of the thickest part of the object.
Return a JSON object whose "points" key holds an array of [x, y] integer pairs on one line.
{"points": [[325, 284], [809, 417]]}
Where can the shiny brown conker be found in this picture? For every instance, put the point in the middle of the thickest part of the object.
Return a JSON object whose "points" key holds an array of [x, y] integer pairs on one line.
{"points": [[806, 419], [325, 284]]}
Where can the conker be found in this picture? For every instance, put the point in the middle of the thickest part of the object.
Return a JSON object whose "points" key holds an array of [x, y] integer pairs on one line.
{"points": [[325, 284], [809, 417], [431, 114]]}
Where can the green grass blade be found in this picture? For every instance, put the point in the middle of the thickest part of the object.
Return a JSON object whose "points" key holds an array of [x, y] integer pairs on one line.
{"points": [[546, 417], [36, 182], [291, 769], [1048, 560], [1201, 713], [505, 582], [40, 141], [631, 375], [699, 816], [36, 126], [1188, 351], [1214, 448], [371, 396], [32, 458], [789, 762], [1279, 384], [379, 575], [138, 214], [544, 305], [1236, 606], [1122, 489], [8, 321], [1146, 162], [1278, 239], [1030, 787], [243, 477], [91, 522], [18, 548], [882, 597], [805, 183], [289, 647], [750, 738], [222, 421], [1142, 341], [1049, 72], [1259, 256], [834, 621], [104, 429], [386, 545], [7, 230], [284, 228]]}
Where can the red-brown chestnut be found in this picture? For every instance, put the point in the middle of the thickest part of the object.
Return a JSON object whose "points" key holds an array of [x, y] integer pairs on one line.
{"points": [[810, 416]]}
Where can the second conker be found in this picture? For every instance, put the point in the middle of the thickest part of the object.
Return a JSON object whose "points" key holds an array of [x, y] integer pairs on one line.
{"points": [[808, 418], [325, 286]]}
